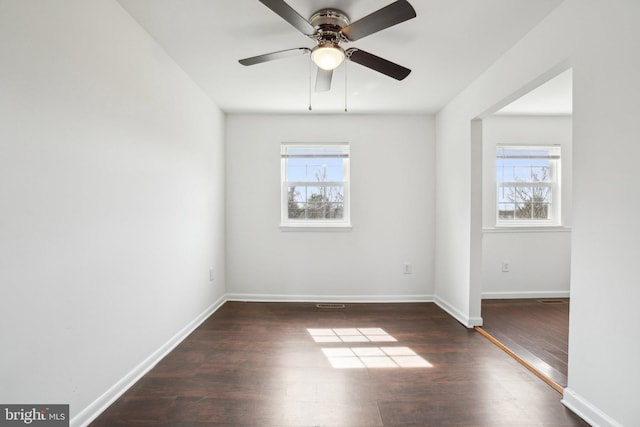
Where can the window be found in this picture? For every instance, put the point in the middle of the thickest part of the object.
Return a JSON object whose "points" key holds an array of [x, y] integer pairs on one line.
{"points": [[315, 185], [528, 179]]}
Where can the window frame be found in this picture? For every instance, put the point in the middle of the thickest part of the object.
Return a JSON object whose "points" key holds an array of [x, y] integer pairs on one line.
{"points": [[286, 223], [554, 153]]}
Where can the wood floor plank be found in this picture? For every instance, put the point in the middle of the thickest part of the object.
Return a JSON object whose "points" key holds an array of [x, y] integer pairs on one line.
{"points": [[258, 364], [535, 331]]}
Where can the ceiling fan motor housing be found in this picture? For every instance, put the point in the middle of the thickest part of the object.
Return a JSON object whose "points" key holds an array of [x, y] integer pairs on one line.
{"points": [[328, 24]]}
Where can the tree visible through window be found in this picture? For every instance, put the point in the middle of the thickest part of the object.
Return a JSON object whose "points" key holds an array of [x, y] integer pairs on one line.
{"points": [[528, 184], [315, 180]]}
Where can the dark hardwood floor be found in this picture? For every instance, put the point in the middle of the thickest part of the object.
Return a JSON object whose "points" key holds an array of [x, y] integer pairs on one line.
{"points": [[285, 364], [537, 332]]}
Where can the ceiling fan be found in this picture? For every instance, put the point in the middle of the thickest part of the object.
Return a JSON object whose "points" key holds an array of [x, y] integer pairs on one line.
{"points": [[330, 28]]}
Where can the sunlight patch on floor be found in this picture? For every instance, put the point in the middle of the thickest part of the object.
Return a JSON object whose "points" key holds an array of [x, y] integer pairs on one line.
{"points": [[350, 335], [365, 357], [374, 357]]}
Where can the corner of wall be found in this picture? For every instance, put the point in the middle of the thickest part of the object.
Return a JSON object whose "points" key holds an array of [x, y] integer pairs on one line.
{"points": [[586, 410], [93, 410], [467, 321]]}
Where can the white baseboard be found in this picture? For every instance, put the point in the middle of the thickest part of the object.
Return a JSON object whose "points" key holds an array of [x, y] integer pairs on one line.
{"points": [[329, 298], [526, 294], [91, 412], [467, 321], [587, 411]]}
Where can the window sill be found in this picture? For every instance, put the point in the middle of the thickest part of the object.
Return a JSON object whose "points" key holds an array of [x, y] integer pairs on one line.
{"points": [[316, 227], [527, 229]]}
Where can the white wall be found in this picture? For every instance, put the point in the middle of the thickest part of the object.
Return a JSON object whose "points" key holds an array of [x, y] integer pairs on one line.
{"points": [[539, 260], [111, 186], [392, 194], [599, 41], [539, 264]]}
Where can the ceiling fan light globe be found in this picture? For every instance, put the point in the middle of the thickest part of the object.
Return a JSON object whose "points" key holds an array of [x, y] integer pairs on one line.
{"points": [[327, 57]]}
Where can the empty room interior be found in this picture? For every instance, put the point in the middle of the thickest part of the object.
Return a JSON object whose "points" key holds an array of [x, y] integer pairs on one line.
{"points": [[320, 213]]}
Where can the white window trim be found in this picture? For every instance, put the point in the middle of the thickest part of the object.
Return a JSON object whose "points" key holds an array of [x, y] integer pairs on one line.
{"points": [[556, 190], [287, 224]]}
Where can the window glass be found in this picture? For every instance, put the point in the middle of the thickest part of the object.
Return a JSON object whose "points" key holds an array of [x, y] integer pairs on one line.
{"points": [[315, 180], [528, 186]]}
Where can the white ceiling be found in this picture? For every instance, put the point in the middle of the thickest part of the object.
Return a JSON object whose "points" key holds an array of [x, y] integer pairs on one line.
{"points": [[447, 46]]}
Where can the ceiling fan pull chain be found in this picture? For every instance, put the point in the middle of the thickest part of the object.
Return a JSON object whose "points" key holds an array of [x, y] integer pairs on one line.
{"points": [[310, 78], [345, 85]]}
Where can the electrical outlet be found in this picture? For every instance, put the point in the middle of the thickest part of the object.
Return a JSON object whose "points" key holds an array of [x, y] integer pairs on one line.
{"points": [[505, 265], [211, 274], [407, 268]]}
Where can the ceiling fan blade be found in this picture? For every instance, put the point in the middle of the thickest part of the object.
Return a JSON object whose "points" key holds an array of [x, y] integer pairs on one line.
{"points": [[287, 13], [274, 55], [323, 80], [386, 17], [378, 64]]}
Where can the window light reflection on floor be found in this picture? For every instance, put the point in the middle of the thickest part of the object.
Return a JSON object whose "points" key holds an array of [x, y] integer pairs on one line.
{"points": [[365, 357], [351, 335], [374, 357]]}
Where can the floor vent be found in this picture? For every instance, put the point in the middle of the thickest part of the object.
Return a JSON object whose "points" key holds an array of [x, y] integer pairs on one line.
{"points": [[553, 301], [325, 305]]}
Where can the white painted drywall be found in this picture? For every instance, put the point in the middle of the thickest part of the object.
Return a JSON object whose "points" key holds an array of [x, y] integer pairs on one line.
{"points": [[599, 41], [539, 260], [538, 263], [392, 194], [111, 193]]}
